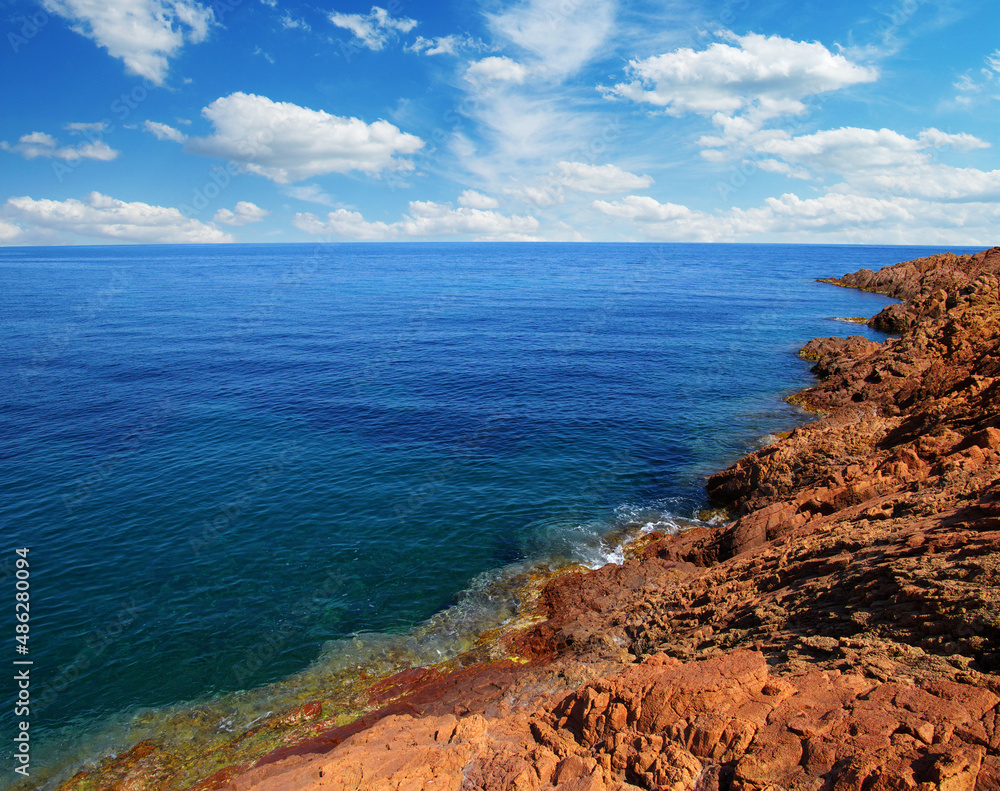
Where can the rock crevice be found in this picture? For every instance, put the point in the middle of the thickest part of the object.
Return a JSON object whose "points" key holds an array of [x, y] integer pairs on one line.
{"points": [[842, 633]]}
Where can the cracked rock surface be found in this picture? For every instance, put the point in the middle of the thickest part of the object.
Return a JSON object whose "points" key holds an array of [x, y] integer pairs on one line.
{"points": [[841, 633]]}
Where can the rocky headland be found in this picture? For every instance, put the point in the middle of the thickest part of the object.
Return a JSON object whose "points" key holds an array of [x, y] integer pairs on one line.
{"points": [[841, 632]]}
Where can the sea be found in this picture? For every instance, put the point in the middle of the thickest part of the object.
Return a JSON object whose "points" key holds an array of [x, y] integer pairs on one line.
{"points": [[229, 469]]}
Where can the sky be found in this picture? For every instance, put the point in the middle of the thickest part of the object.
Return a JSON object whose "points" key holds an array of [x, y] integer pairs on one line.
{"points": [[805, 121]]}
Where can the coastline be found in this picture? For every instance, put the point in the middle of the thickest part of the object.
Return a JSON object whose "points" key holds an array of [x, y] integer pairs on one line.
{"points": [[790, 647]]}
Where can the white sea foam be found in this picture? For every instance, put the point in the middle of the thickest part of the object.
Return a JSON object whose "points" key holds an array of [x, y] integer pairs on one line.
{"points": [[491, 600]]}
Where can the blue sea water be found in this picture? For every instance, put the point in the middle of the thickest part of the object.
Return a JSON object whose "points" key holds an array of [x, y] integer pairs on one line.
{"points": [[227, 461]]}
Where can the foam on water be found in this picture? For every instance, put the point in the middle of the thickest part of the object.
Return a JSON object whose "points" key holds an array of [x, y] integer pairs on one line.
{"points": [[240, 503], [492, 601]]}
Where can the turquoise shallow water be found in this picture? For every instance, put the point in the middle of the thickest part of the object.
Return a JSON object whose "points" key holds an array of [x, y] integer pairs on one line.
{"points": [[223, 458]]}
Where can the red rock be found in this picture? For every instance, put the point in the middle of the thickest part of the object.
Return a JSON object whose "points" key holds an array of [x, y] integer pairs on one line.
{"points": [[840, 634]]}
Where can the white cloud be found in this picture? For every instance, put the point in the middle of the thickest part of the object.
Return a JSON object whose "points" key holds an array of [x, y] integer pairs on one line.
{"points": [[832, 217], [982, 84], [286, 143], [561, 36], [569, 177], [600, 179], [288, 22], [88, 129], [425, 220], [40, 144], [265, 55], [774, 166], [145, 34], [844, 149], [644, 209], [442, 45], [884, 161], [375, 30], [244, 214], [549, 195], [311, 193], [935, 138], [10, 234], [105, 219], [759, 76], [164, 131], [451, 44], [496, 69], [476, 200], [521, 133], [346, 224], [523, 109]]}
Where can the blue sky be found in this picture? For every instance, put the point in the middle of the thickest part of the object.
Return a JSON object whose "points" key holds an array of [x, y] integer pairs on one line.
{"points": [[163, 121]]}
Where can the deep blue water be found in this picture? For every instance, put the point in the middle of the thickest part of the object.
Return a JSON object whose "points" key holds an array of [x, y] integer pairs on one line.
{"points": [[206, 447]]}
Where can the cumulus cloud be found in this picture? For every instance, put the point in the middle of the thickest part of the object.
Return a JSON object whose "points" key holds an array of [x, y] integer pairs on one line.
{"points": [[164, 131], [11, 234], [496, 69], [960, 141], [476, 200], [775, 166], [244, 213], [759, 76], [832, 217], [643, 209], [374, 30], [426, 220], [145, 34], [547, 195], [882, 160], [561, 37], [287, 143], [602, 179], [40, 144], [852, 149], [102, 218]]}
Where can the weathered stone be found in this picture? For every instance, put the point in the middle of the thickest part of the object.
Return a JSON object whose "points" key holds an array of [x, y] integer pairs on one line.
{"points": [[841, 634]]}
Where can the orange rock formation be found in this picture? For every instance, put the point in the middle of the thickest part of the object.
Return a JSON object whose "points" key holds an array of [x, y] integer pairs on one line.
{"points": [[842, 633]]}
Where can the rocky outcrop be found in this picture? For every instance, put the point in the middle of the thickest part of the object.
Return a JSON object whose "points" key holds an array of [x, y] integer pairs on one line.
{"points": [[725, 722], [842, 633]]}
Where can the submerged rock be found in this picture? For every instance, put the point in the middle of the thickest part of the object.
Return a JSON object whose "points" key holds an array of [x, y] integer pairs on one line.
{"points": [[841, 633]]}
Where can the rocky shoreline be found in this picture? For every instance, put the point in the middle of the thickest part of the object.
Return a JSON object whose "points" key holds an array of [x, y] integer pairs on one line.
{"points": [[842, 632]]}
